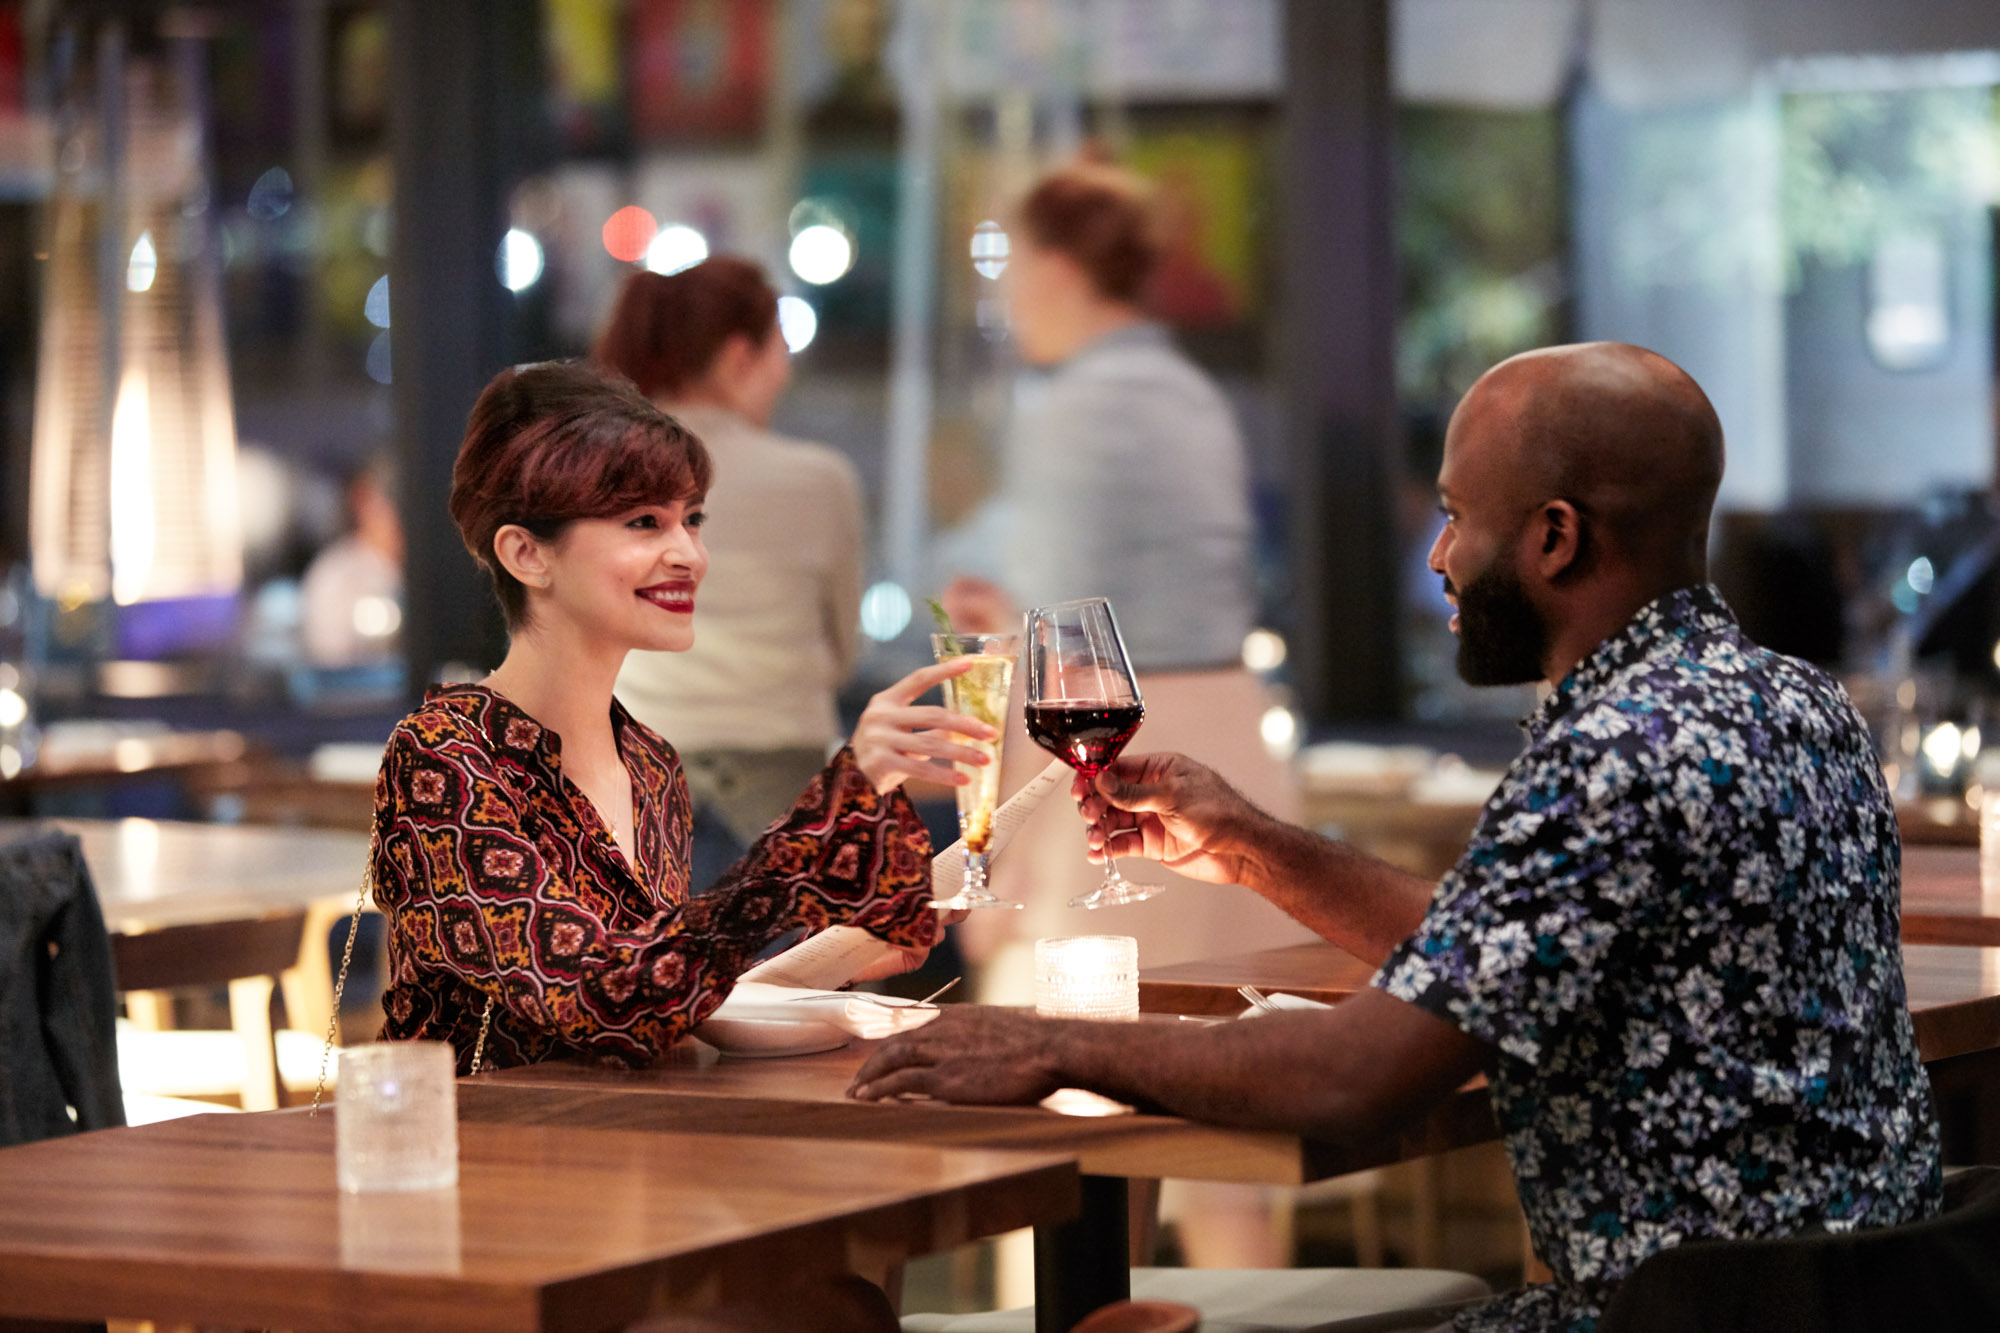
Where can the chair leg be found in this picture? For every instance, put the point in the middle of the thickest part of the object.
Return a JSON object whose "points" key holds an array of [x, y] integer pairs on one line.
{"points": [[1144, 1206], [250, 1015]]}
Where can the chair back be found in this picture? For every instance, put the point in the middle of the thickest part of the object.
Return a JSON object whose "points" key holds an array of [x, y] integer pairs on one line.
{"points": [[1941, 1275], [58, 1010]]}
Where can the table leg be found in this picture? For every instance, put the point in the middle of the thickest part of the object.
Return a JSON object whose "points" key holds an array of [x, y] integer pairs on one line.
{"points": [[1084, 1264]]}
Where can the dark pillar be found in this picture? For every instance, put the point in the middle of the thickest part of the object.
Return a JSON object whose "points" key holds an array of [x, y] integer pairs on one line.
{"points": [[464, 127], [1338, 356]]}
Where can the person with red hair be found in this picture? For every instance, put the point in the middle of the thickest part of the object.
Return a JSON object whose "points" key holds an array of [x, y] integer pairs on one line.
{"points": [[751, 706], [532, 839]]}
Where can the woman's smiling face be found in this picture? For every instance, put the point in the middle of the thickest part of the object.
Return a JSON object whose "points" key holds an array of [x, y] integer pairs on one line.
{"points": [[629, 579]]}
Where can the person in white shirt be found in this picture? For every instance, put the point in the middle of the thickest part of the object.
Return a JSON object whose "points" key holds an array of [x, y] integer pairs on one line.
{"points": [[353, 590], [750, 707]]}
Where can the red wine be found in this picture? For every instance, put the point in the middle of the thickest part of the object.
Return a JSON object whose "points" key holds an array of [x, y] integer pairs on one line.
{"points": [[1087, 737]]}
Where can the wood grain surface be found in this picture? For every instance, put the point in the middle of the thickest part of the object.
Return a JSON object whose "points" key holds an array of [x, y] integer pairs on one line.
{"points": [[806, 1097], [236, 1220]]}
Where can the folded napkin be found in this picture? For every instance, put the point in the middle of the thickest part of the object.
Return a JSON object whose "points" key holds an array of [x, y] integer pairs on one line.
{"points": [[854, 1012], [1284, 1001]]}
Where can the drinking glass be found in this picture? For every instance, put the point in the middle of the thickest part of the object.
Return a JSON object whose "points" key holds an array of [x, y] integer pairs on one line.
{"points": [[1083, 705], [980, 693], [396, 1117]]}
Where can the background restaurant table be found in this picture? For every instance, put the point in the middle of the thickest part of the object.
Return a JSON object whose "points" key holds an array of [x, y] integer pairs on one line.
{"points": [[157, 873], [1954, 998], [1078, 1266], [236, 1220]]}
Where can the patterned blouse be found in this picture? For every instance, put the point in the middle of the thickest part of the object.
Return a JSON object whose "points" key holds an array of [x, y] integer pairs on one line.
{"points": [[1677, 925], [500, 879]]}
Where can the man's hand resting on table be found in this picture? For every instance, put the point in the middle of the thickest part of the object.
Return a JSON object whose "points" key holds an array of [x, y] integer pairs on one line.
{"points": [[971, 1053]]}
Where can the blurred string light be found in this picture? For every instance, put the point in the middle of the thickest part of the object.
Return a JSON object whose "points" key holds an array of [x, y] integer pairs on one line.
{"points": [[1921, 576], [271, 196], [377, 617], [821, 254], [13, 708], [1263, 650], [798, 322], [378, 358], [519, 262], [1944, 746], [628, 232], [376, 308], [990, 249], [885, 611], [1280, 731], [143, 266], [676, 247]]}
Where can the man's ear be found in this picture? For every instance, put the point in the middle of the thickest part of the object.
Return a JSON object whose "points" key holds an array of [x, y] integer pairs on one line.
{"points": [[1559, 540], [521, 554]]}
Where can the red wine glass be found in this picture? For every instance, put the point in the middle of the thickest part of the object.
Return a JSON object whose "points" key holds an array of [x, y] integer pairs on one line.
{"points": [[1083, 705]]}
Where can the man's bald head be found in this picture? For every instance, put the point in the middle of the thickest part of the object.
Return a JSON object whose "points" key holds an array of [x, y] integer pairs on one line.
{"points": [[1622, 433]]}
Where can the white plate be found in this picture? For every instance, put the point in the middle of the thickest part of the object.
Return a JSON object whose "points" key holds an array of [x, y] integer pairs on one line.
{"points": [[767, 1039]]}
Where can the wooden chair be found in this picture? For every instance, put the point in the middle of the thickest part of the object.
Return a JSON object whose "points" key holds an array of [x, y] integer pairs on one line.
{"points": [[248, 957]]}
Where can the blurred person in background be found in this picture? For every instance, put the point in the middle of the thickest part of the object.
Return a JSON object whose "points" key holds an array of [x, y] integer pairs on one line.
{"points": [[352, 594], [751, 706], [1125, 477]]}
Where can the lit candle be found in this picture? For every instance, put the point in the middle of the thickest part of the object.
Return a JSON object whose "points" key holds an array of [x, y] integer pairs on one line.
{"points": [[1087, 976]]}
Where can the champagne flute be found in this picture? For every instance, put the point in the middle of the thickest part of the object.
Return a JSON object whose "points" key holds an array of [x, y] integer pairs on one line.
{"points": [[980, 693], [1083, 706]]}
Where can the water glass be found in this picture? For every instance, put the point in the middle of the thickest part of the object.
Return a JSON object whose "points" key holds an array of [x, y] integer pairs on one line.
{"points": [[1088, 976], [396, 1117]]}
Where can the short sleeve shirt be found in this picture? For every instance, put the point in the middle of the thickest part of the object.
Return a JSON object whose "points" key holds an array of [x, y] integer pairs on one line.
{"points": [[1677, 924]]}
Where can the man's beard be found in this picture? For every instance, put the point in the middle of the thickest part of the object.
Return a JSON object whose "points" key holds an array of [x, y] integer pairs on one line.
{"points": [[1502, 638]]}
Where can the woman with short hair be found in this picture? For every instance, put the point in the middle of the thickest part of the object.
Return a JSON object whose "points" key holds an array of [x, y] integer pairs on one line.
{"points": [[531, 838]]}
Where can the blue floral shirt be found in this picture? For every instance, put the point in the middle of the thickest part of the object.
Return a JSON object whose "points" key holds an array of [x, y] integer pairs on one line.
{"points": [[1677, 925]]}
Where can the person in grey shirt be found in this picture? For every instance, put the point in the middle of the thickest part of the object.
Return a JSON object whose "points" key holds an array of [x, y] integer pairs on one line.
{"points": [[1125, 475]]}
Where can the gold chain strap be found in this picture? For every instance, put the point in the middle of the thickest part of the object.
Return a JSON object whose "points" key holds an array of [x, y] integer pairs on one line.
{"points": [[346, 961], [340, 984], [485, 1026]]}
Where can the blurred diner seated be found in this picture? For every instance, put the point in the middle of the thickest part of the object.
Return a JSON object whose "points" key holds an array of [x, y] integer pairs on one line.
{"points": [[1672, 946]]}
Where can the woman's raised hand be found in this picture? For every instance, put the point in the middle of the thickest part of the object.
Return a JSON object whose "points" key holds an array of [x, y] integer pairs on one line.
{"points": [[898, 739]]}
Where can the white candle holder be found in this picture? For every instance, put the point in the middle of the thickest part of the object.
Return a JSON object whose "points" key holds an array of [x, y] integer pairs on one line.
{"points": [[1088, 976]]}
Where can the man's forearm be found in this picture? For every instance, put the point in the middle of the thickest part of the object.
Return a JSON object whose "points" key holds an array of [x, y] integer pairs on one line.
{"points": [[1364, 905]]}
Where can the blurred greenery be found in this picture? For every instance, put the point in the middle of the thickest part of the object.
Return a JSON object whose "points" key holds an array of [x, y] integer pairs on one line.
{"points": [[1481, 232], [1861, 166]]}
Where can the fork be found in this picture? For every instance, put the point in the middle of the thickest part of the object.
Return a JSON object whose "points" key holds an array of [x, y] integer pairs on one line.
{"points": [[1259, 1000]]}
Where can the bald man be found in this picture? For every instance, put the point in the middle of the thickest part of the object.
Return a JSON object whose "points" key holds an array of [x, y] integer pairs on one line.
{"points": [[1672, 943]]}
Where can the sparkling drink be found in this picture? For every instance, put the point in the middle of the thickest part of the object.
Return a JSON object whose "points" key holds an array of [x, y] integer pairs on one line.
{"points": [[981, 694]]}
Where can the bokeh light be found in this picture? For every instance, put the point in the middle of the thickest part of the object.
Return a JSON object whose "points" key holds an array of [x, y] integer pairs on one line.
{"points": [[271, 197], [144, 264], [798, 322], [376, 308], [677, 246], [519, 262], [885, 611], [990, 249], [628, 232], [378, 358], [1263, 650], [821, 254]]}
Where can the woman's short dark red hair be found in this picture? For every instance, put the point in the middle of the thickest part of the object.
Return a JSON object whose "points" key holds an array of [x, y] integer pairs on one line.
{"points": [[666, 329], [557, 441], [1101, 216]]}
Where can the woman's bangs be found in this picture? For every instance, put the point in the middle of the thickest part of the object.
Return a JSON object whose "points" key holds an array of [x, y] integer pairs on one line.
{"points": [[649, 467]]}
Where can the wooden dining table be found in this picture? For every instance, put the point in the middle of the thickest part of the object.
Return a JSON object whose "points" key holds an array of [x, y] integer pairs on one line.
{"points": [[1079, 1265], [237, 1221]]}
